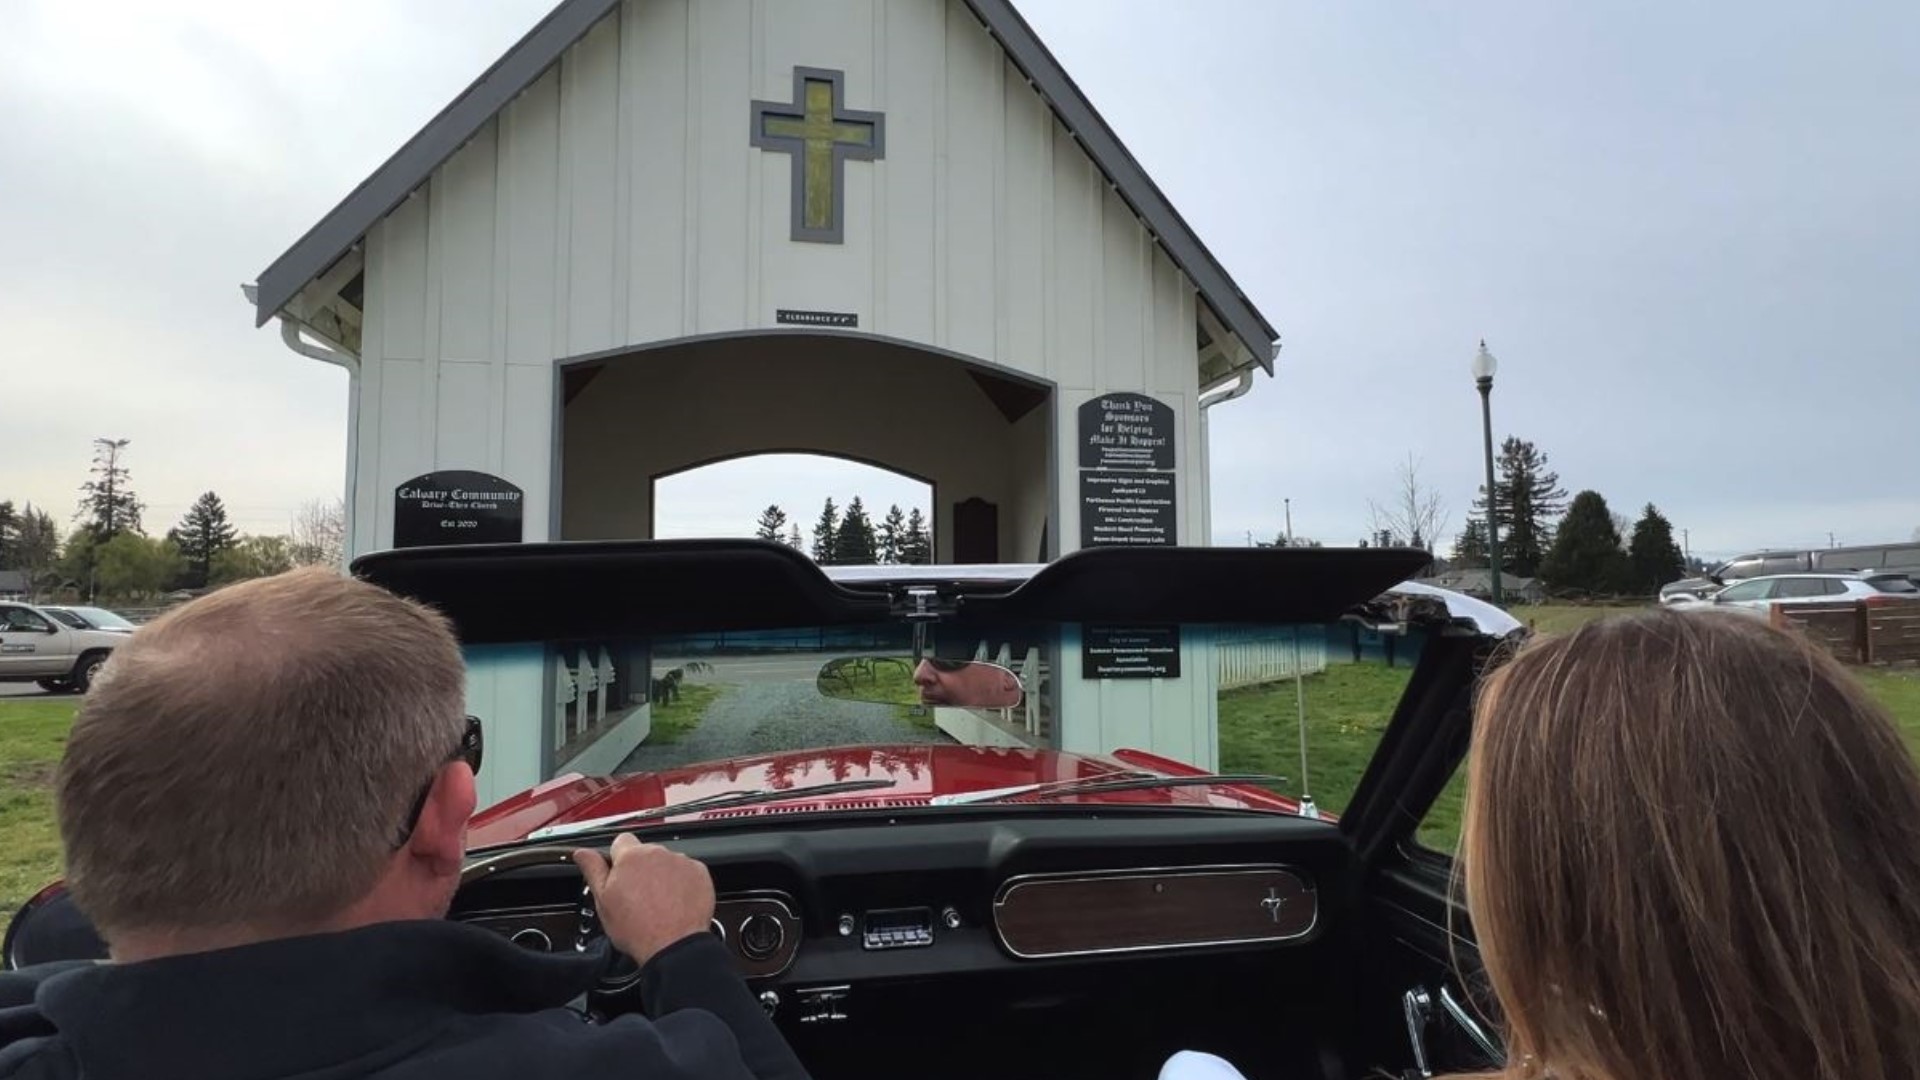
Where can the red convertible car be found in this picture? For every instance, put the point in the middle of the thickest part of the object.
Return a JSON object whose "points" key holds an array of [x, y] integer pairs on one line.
{"points": [[935, 852]]}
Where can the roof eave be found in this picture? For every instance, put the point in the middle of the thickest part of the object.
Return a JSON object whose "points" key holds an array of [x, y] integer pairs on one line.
{"points": [[543, 46]]}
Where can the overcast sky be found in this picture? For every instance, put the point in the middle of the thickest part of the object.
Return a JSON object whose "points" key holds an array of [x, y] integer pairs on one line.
{"points": [[1689, 231]]}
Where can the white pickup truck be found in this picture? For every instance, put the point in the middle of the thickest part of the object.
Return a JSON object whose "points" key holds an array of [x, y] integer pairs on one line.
{"points": [[37, 647]]}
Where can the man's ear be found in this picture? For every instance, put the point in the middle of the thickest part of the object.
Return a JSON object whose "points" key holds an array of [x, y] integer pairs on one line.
{"points": [[441, 837]]}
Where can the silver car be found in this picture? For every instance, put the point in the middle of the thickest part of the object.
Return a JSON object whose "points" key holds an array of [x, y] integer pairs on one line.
{"points": [[1756, 596]]}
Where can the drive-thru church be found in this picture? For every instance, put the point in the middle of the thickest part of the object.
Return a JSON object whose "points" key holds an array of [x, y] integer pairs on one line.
{"points": [[659, 234]]}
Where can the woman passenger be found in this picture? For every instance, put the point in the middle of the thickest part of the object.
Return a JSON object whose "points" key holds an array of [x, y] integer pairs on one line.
{"points": [[1691, 851]]}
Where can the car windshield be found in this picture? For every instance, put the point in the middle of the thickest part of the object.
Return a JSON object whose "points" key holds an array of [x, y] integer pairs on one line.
{"points": [[101, 618], [67, 616], [1308, 702]]}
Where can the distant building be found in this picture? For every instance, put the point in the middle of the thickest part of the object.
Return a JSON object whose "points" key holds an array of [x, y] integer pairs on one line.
{"points": [[15, 585], [1478, 583]]}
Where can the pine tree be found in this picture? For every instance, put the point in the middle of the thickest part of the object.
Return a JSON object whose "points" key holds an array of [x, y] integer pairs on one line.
{"points": [[772, 524], [202, 535], [1655, 558], [1527, 500], [1470, 547], [917, 548], [823, 531], [36, 544], [1587, 555], [893, 534], [107, 502], [853, 542], [9, 534]]}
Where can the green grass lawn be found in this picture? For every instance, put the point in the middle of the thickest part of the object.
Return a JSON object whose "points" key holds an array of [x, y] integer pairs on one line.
{"points": [[674, 721], [1348, 708], [32, 734]]}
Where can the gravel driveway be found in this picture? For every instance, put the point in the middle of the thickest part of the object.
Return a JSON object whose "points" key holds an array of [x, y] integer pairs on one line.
{"points": [[760, 717]]}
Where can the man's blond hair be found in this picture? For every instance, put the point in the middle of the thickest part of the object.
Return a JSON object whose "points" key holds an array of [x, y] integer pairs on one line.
{"points": [[249, 757]]}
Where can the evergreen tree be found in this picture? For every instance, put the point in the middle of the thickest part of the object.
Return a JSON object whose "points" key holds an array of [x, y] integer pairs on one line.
{"points": [[36, 544], [107, 502], [1587, 555], [1527, 498], [917, 548], [1655, 558], [823, 531], [853, 542], [9, 534], [772, 525], [1470, 547], [893, 534], [201, 536]]}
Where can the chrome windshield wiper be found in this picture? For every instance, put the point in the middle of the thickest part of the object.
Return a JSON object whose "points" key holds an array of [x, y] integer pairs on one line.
{"points": [[705, 802], [1126, 781]]}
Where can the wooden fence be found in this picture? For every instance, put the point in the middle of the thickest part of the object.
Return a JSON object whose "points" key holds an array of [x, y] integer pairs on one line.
{"points": [[1857, 633]]}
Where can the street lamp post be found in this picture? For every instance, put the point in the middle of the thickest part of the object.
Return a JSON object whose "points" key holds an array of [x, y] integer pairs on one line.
{"points": [[1483, 368]]}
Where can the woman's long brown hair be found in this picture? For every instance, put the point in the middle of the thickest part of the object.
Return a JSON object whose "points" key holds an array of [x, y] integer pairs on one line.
{"points": [[1692, 852]]}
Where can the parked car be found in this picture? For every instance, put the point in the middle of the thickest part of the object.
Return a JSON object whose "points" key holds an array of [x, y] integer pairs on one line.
{"points": [[38, 646], [90, 618], [876, 873], [1756, 596]]}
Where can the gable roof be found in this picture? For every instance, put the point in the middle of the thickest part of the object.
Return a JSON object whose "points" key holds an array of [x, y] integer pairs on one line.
{"points": [[376, 196]]}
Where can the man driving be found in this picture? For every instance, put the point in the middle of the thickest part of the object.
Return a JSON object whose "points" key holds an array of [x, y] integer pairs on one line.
{"points": [[263, 804]]}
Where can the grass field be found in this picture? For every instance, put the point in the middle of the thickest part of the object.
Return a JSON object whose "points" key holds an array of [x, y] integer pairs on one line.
{"points": [[32, 734], [674, 721]]}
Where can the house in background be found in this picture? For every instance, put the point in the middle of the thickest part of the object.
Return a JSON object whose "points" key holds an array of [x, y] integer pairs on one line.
{"points": [[1478, 583]]}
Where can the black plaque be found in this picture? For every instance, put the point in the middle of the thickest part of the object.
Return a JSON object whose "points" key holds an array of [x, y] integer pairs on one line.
{"points": [[1126, 431], [457, 507], [1118, 508], [1130, 652], [789, 317]]}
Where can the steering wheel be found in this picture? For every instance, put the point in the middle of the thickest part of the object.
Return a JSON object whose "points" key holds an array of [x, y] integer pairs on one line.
{"points": [[621, 971]]}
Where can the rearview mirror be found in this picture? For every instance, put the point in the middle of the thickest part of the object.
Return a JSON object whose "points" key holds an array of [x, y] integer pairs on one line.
{"points": [[897, 680]]}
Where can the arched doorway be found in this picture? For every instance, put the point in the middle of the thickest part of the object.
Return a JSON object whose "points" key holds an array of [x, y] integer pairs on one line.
{"points": [[836, 509], [980, 437]]}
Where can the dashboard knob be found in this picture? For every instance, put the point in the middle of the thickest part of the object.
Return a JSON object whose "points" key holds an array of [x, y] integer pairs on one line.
{"points": [[951, 917], [846, 926]]}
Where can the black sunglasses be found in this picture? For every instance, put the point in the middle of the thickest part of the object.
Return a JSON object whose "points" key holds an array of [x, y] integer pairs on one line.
{"points": [[949, 665], [470, 750]]}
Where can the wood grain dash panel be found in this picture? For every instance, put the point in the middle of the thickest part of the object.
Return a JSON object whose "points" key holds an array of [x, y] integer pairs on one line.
{"points": [[732, 914], [1052, 915]]}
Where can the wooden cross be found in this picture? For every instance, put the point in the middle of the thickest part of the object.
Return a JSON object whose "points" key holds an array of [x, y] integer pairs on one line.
{"points": [[821, 134]]}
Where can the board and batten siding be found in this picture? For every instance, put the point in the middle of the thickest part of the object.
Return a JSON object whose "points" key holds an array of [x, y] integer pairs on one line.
{"points": [[619, 202]]}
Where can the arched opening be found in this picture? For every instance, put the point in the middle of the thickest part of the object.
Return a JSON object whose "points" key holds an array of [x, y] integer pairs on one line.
{"points": [[838, 510], [982, 439]]}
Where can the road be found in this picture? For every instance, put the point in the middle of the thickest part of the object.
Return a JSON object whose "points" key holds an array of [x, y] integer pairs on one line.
{"points": [[29, 692], [770, 703]]}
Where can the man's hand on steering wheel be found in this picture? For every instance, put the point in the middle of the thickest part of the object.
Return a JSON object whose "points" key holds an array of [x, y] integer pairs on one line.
{"points": [[647, 897]]}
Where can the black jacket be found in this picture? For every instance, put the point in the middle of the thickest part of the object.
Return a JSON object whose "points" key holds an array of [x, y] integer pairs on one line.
{"points": [[397, 1001]]}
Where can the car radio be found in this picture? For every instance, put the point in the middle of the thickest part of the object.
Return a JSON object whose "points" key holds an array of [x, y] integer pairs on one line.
{"points": [[897, 928]]}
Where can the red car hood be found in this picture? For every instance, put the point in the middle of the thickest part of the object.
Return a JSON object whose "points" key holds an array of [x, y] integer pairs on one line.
{"points": [[919, 773]]}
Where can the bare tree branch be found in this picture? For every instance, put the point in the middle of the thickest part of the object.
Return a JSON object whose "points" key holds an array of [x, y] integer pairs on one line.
{"points": [[319, 534], [1417, 515]]}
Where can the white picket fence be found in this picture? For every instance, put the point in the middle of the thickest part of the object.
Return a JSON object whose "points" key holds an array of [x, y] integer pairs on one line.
{"points": [[1267, 656]]}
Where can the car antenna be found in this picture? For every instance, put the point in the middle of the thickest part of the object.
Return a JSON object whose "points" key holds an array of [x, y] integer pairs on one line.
{"points": [[1307, 809]]}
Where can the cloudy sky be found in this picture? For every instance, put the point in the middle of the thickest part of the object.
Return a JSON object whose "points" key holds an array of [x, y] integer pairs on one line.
{"points": [[1689, 231]]}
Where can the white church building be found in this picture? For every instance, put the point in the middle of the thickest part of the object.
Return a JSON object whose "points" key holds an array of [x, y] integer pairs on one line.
{"points": [[660, 234]]}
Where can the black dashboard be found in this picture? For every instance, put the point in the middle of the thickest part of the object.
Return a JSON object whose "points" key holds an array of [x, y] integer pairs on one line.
{"points": [[833, 923]]}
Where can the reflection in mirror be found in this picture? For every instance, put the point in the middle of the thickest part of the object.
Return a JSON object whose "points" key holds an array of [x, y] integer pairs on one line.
{"points": [[897, 680]]}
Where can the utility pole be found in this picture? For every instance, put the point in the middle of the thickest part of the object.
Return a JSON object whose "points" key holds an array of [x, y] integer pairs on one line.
{"points": [[1686, 547], [1289, 505]]}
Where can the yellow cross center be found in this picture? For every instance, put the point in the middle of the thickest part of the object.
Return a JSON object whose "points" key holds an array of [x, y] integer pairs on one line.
{"points": [[819, 132]]}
